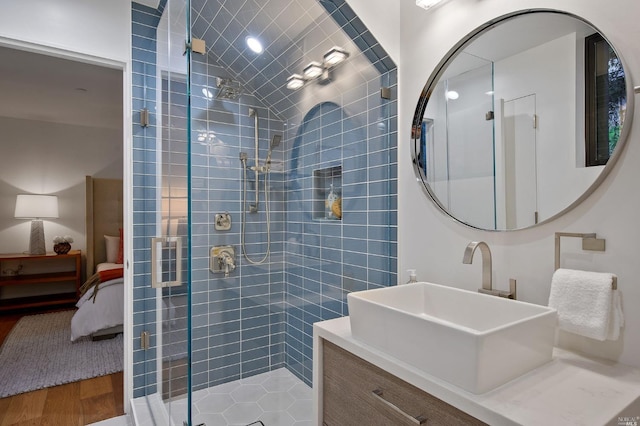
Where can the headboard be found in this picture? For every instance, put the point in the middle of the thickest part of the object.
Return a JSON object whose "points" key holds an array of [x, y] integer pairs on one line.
{"points": [[104, 217]]}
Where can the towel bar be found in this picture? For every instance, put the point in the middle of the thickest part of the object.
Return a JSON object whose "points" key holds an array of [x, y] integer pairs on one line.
{"points": [[589, 242]]}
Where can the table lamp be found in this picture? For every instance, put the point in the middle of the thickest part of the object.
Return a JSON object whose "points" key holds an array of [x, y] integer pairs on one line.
{"points": [[36, 207]]}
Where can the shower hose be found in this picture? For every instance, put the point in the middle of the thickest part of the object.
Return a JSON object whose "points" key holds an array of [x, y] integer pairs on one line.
{"points": [[244, 214]]}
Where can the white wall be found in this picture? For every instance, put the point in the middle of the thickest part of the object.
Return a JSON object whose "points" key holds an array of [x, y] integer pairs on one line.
{"points": [[435, 247], [43, 157], [549, 72], [382, 18], [91, 27], [48, 158]]}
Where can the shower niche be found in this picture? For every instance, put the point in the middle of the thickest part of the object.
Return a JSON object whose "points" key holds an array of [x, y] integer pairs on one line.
{"points": [[327, 190]]}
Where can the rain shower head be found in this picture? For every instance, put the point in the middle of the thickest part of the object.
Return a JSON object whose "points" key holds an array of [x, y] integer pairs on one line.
{"points": [[228, 88]]}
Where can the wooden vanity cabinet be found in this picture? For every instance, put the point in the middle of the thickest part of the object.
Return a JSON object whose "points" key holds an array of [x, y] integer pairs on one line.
{"points": [[356, 392]]}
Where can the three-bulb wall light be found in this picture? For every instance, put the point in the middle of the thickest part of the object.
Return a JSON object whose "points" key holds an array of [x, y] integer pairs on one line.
{"points": [[317, 70], [295, 82]]}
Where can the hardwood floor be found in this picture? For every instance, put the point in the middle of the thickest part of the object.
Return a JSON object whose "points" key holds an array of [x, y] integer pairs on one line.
{"points": [[74, 404]]}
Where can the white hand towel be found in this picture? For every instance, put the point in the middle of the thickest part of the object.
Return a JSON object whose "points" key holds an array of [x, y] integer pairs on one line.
{"points": [[583, 301], [617, 319]]}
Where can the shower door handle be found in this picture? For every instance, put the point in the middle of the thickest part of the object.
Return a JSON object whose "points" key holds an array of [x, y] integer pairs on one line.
{"points": [[165, 244]]}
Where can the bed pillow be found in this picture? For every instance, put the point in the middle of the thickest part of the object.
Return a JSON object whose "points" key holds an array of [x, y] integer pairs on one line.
{"points": [[120, 257], [112, 245]]}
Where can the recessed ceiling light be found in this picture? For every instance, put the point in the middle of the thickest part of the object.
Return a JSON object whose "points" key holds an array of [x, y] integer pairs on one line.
{"points": [[254, 44], [452, 94]]}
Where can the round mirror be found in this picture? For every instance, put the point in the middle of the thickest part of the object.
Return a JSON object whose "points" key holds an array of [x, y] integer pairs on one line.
{"points": [[521, 120]]}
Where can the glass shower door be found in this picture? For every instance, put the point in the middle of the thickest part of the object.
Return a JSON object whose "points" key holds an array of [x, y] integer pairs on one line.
{"points": [[174, 360], [163, 163]]}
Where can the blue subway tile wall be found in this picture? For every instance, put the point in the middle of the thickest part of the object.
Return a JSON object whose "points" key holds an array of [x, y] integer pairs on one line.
{"points": [[144, 24], [244, 311], [327, 259]]}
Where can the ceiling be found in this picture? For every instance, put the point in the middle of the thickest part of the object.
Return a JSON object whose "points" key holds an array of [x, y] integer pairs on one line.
{"points": [[515, 35], [293, 33], [46, 88]]}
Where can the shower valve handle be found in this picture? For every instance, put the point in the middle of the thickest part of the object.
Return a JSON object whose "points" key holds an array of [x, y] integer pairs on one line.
{"points": [[223, 259], [226, 262]]}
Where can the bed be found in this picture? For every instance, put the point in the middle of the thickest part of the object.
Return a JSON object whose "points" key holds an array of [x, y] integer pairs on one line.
{"points": [[102, 316]]}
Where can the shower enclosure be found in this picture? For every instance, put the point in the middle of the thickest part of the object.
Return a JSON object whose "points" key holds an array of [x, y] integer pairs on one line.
{"points": [[469, 152], [460, 155], [264, 192]]}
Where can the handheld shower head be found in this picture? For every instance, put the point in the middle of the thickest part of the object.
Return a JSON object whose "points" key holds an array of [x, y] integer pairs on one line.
{"points": [[275, 141]]}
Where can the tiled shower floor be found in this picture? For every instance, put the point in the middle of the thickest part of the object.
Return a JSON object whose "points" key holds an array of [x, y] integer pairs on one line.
{"points": [[277, 398]]}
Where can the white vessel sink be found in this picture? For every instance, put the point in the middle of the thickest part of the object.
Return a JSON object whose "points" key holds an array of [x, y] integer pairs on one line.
{"points": [[475, 341]]}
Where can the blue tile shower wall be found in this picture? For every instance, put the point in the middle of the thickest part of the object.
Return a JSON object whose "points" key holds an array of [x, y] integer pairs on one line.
{"points": [[327, 259], [240, 325]]}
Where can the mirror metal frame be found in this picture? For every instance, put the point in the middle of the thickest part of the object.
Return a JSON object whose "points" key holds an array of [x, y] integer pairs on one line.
{"points": [[439, 71]]}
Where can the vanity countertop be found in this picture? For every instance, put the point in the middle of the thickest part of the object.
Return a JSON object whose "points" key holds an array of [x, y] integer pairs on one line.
{"points": [[570, 390]]}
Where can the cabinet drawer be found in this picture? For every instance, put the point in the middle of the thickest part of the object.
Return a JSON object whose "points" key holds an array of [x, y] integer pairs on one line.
{"points": [[356, 392]]}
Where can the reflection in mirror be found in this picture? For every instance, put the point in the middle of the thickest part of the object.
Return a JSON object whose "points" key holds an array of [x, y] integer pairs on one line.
{"points": [[519, 122]]}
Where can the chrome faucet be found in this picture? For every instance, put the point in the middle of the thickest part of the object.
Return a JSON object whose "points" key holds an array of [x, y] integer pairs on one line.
{"points": [[486, 270], [486, 261]]}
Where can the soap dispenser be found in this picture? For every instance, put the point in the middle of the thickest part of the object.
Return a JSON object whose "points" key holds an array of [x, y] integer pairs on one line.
{"points": [[412, 276]]}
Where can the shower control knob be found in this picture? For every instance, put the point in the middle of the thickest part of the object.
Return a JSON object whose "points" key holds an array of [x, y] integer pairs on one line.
{"points": [[222, 259], [222, 221]]}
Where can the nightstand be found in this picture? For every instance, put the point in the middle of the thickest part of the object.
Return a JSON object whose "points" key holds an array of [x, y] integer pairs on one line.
{"points": [[22, 270]]}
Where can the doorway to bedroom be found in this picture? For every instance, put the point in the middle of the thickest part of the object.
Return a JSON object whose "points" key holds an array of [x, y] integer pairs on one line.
{"points": [[62, 127]]}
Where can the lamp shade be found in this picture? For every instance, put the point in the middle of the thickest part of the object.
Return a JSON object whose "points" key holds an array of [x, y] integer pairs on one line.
{"points": [[29, 206]]}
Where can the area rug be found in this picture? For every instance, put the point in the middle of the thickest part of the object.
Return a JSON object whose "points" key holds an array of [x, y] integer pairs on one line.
{"points": [[38, 353]]}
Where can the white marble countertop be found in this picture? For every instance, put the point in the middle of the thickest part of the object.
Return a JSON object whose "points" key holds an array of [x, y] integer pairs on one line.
{"points": [[570, 390]]}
